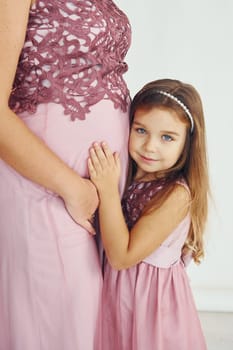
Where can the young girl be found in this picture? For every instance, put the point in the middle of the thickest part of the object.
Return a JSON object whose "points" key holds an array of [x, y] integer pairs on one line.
{"points": [[147, 300]]}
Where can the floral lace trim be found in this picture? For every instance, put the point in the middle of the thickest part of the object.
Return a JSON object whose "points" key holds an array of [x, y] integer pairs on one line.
{"points": [[73, 55], [139, 194], [136, 197]]}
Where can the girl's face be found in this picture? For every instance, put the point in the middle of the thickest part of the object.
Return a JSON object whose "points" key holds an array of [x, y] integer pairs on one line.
{"points": [[157, 138]]}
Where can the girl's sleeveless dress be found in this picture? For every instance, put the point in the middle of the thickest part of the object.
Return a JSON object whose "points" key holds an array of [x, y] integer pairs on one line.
{"points": [[69, 90], [150, 305]]}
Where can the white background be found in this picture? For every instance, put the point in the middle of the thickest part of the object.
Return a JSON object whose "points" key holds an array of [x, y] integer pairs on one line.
{"points": [[193, 41]]}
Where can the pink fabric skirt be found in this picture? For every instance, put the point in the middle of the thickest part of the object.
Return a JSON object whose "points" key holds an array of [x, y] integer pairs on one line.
{"points": [[50, 272], [149, 308]]}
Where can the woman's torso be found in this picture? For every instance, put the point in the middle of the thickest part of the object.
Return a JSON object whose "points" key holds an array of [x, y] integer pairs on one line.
{"points": [[73, 55], [69, 86]]}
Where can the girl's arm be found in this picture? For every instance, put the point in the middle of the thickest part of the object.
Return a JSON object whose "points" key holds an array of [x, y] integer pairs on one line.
{"points": [[124, 248], [19, 147]]}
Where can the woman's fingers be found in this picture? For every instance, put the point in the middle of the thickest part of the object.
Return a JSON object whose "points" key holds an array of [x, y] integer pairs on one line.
{"points": [[87, 224]]}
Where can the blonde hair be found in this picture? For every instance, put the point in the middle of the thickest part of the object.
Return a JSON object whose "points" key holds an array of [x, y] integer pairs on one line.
{"points": [[192, 164]]}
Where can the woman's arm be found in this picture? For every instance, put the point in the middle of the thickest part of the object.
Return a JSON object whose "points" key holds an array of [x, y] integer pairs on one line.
{"points": [[124, 248], [19, 147]]}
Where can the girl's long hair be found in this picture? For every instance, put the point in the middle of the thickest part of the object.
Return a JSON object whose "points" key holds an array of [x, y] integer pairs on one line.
{"points": [[192, 164]]}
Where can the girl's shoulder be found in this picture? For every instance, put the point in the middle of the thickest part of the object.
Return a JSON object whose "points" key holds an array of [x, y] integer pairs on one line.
{"points": [[148, 189], [156, 184], [183, 183]]}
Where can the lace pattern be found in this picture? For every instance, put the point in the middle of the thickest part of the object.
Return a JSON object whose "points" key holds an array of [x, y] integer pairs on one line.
{"points": [[73, 55], [136, 197], [139, 193]]}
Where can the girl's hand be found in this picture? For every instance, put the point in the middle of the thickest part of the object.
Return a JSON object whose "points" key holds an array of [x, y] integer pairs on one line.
{"points": [[82, 203], [104, 168]]}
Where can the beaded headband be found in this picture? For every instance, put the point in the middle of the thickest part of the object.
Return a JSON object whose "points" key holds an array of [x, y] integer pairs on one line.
{"points": [[181, 105]]}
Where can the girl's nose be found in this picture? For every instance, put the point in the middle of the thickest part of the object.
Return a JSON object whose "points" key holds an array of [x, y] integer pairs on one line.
{"points": [[150, 145]]}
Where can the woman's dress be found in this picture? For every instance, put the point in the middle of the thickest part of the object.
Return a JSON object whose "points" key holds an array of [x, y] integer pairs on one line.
{"points": [[150, 305], [69, 90]]}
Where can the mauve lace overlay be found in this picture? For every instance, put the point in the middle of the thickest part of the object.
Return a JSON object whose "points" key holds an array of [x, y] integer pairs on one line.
{"points": [[73, 55], [136, 197]]}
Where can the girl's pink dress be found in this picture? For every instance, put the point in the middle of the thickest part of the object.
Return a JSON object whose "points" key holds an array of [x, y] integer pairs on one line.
{"points": [[69, 90], [150, 306]]}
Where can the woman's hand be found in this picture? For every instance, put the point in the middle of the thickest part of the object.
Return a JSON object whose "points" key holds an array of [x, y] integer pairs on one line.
{"points": [[82, 203], [104, 168]]}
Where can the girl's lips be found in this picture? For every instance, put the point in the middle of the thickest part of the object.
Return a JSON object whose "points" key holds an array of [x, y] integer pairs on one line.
{"points": [[147, 159]]}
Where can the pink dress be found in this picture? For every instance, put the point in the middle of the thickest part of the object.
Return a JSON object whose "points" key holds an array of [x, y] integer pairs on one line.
{"points": [[69, 90], [150, 305]]}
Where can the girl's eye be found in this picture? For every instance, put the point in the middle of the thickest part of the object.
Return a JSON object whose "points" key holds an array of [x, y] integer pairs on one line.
{"points": [[167, 138], [140, 130]]}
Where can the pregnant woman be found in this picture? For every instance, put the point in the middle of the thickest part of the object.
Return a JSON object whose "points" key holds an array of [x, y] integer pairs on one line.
{"points": [[61, 88]]}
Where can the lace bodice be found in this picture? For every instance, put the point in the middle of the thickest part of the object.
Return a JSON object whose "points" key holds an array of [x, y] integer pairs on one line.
{"points": [[73, 55], [135, 199], [170, 251]]}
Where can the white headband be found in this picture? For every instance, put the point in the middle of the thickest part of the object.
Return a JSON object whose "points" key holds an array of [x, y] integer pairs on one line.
{"points": [[181, 105]]}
